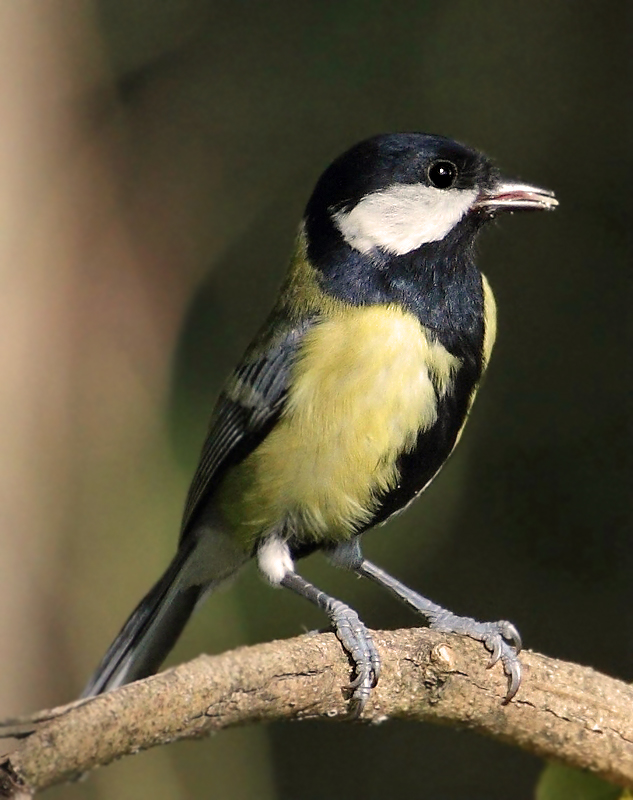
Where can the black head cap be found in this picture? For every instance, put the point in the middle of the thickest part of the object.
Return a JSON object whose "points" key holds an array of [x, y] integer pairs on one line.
{"points": [[396, 158]]}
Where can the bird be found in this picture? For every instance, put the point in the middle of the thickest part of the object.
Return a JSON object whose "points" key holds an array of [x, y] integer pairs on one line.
{"points": [[348, 401]]}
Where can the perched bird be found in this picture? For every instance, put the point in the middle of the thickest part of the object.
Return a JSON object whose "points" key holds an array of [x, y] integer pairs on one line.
{"points": [[350, 399]]}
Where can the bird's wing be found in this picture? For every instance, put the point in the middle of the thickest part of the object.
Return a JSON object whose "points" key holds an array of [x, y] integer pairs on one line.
{"points": [[247, 409]]}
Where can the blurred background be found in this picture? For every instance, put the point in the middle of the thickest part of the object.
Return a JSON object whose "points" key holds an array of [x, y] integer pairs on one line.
{"points": [[155, 161]]}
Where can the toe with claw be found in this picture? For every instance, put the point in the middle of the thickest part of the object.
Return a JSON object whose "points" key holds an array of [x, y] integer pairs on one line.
{"points": [[501, 639], [357, 642]]}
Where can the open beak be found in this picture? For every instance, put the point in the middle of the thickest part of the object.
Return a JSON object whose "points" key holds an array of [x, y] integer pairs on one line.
{"points": [[512, 196]]}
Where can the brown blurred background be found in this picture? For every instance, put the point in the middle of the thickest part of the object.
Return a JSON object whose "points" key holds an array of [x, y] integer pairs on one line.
{"points": [[155, 160]]}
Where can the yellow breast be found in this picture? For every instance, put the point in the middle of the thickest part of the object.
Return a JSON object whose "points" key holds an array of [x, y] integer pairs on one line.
{"points": [[365, 383]]}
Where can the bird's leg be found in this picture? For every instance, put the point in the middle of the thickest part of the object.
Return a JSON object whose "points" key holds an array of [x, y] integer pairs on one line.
{"points": [[501, 638], [352, 634]]}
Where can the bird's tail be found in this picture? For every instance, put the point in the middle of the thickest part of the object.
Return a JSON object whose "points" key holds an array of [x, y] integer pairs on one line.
{"points": [[152, 628]]}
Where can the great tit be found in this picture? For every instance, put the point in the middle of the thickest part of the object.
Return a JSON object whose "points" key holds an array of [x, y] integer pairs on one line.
{"points": [[349, 400]]}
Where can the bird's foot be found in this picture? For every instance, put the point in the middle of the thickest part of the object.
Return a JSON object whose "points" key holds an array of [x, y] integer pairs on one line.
{"points": [[359, 645], [351, 633], [500, 638]]}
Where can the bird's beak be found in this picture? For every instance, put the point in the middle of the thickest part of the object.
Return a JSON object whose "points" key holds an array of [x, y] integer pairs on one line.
{"points": [[512, 196]]}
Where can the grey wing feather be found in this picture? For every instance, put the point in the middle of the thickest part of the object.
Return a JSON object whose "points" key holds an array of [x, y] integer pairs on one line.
{"points": [[246, 411]]}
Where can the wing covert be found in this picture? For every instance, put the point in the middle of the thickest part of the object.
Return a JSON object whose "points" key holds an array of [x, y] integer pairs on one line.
{"points": [[247, 409]]}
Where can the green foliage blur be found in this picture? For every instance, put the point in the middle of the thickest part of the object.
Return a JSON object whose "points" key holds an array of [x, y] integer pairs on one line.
{"points": [[562, 783]]}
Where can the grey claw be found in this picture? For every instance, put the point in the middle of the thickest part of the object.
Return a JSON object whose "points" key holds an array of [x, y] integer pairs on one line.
{"points": [[513, 671], [495, 650], [514, 636], [510, 634], [361, 679], [505, 645]]}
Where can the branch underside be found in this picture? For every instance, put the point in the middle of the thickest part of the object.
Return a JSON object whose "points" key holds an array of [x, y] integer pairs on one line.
{"points": [[563, 711]]}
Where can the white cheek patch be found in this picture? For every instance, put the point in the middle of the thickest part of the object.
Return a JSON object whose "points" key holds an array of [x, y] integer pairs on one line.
{"points": [[274, 559], [404, 217]]}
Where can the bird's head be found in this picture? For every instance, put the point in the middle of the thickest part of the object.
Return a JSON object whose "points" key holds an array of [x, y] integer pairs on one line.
{"points": [[395, 193]]}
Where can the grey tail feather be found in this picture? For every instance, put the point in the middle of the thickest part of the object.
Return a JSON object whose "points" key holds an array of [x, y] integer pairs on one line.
{"points": [[151, 630]]}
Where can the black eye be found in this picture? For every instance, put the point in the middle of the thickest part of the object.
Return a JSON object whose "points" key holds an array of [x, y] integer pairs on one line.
{"points": [[442, 174]]}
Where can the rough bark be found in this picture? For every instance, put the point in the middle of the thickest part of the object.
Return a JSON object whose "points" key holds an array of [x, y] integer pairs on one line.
{"points": [[563, 711]]}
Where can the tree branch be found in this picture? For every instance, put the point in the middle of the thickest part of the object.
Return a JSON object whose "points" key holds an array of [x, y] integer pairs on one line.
{"points": [[562, 711]]}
